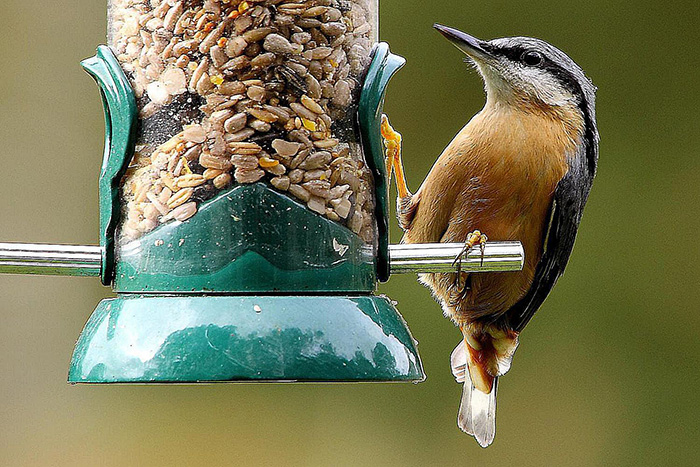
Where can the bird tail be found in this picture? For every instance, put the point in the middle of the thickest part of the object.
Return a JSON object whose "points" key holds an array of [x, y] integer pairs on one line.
{"points": [[477, 411]]}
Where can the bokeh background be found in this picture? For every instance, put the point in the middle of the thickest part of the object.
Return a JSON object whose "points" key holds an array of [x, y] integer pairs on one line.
{"points": [[607, 372]]}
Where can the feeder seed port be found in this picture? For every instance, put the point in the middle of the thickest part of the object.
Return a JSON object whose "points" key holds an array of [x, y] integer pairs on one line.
{"points": [[86, 260]]}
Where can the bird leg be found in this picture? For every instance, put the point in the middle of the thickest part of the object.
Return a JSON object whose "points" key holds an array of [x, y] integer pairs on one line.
{"points": [[392, 142], [473, 238]]}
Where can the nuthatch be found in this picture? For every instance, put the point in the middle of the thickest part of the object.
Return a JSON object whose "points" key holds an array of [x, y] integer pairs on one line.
{"points": [[521, 169]]}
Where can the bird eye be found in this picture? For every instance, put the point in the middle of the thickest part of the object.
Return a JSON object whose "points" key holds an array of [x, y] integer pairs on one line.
{"points": [[531, 58]]}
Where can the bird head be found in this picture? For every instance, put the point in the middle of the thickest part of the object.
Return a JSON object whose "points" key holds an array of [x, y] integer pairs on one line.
{"points": [[524, 71]]}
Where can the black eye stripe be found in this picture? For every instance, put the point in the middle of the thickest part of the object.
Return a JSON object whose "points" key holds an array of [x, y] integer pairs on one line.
{"points": [[511, 53], [521, 55], [516, 53], [564, 77]]}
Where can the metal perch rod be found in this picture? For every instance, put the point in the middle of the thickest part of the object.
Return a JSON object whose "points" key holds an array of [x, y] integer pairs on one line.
{"points": [[86, 260], [440, 257], [50, 260]]}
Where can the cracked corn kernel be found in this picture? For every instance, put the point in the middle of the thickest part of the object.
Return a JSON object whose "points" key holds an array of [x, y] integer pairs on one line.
{"points": [[186, 166], [268, 162], [308, 124]]}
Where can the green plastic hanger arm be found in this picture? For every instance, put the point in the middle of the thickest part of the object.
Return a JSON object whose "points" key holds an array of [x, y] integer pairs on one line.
{"points": [[384, 66], [121, 115]]}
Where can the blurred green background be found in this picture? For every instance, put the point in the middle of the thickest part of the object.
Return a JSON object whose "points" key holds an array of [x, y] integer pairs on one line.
{"points": [[607, 372]]}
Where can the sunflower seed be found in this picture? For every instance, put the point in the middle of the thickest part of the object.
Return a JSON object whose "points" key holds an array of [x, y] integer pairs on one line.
{"points": [[249, 176], [184, 212], [222, 181], [281, 183], [181, 197]]}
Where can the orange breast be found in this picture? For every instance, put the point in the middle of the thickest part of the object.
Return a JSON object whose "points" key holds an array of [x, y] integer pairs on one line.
{"points": [[498, 176]]}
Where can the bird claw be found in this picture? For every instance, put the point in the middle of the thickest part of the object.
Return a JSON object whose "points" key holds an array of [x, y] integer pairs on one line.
{"points": [[474, 238], [392, 143], [391, 137]]}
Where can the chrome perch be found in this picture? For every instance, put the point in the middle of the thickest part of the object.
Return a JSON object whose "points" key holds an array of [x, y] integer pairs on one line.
{"points": [[50, 260], [85, 260], [440, 257]]}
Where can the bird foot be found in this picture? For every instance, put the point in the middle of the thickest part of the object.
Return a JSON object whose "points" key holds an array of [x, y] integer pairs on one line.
{"points": [[392, 143], [473, 239]]}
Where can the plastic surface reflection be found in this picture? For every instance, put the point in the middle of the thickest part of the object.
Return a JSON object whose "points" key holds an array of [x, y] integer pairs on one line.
{"points": [[192, 339]]}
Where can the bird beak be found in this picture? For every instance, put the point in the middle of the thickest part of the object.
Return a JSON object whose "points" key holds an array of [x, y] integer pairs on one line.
{"points": [[470, 45]]}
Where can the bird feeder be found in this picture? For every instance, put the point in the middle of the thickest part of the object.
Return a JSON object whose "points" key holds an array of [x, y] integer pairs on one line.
{"points": [[243, 198]]}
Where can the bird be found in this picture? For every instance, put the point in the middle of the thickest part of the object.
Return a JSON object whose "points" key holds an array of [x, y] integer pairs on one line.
{"points": [[520, 170]]}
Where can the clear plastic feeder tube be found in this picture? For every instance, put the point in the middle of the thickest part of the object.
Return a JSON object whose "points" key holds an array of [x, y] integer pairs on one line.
{"points": [[239, 92]]}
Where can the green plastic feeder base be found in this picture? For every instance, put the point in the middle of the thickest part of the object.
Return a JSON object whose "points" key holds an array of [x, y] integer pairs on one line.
{"points": [[193, 339]]}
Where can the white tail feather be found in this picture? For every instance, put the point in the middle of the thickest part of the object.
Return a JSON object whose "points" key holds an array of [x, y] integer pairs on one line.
{"points": [[477, 411], [458, 359]]}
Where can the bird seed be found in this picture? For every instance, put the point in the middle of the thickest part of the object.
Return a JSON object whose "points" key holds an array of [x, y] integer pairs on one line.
{"points": [[237, 92]]}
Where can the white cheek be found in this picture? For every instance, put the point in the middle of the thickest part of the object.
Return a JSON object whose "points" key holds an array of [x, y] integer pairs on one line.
{"points": [[496, 87], [514, 83], [544, 87]]}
